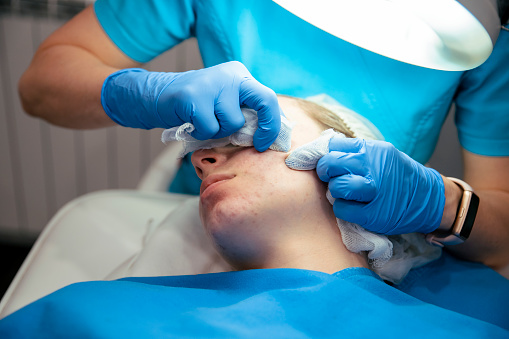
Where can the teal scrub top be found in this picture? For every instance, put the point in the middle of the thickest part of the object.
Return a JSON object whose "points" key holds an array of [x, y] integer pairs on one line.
{"points": [[272, 303], [408, 104]]}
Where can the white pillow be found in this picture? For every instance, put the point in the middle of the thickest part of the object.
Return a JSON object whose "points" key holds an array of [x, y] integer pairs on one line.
{"points": [[178, 245]]}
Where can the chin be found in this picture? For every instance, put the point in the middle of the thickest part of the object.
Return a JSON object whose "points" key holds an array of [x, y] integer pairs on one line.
{"points": [[225, 215], [233, 231]]}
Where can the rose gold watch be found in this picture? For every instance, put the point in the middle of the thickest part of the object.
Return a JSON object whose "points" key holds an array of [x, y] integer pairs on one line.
{"points": [[464, 222]]}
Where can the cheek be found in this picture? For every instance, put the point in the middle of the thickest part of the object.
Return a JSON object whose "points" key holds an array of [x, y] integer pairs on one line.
{"points": [[265, 192], [274, 188], [285, 184], [238, 205]]}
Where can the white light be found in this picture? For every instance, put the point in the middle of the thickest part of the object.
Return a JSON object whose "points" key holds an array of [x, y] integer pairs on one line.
{"points": [[438, 34]]}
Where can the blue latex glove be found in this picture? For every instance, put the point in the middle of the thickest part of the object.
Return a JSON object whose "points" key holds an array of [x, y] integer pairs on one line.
{"points": [[208, 98], [381, 188]]}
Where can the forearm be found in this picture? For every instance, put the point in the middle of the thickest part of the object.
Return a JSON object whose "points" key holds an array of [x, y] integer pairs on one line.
{"points": [[490, 235], [63, 83], [488, 241], [63, 86]]}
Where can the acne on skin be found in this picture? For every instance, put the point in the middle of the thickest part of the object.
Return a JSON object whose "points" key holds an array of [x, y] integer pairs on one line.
{"points": [[267, 215]]}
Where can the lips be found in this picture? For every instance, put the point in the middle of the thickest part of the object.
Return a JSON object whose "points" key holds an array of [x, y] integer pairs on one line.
{"points": [[214, 178]]}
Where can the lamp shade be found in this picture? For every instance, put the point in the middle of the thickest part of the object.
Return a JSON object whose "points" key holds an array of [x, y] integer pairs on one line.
{"points": [[446, 35]]}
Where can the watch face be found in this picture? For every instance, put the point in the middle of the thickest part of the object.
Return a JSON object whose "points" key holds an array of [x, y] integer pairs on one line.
{"points": [[470, 217]]}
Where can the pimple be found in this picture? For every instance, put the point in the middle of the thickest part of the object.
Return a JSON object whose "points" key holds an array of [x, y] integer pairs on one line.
{"points": [[257, 194]]}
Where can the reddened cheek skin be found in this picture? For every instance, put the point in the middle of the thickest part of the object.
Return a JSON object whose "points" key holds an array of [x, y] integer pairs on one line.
{"points": [[264, 194], [266, 204]]}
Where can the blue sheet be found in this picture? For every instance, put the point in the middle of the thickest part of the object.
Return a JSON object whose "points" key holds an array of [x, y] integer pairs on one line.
{"points": [[265, 303]]}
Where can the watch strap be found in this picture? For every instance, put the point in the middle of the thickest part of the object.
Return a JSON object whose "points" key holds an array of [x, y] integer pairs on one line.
{"points": [[464, 221]]}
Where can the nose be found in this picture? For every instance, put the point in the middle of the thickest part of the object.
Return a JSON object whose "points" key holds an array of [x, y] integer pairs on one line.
{"points": [[205, 160]]}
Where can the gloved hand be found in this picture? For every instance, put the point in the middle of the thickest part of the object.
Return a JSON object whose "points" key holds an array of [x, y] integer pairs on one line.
{"points": [[209, 98], [381, 188]]}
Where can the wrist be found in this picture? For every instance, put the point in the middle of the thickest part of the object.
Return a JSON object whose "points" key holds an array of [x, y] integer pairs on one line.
{"points": [[464, 221], [453, 195], [128, 97], [435, 200]]}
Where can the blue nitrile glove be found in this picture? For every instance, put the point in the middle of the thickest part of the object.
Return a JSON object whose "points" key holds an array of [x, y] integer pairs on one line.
{"points": [[208, 98], [381, 188]]}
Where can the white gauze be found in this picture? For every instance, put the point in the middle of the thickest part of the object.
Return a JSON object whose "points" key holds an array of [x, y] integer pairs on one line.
{"points": [[390, 257], [355, 238], [243, 137]]}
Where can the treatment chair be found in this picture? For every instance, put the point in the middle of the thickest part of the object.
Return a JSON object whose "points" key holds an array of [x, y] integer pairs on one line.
{"points": [[99, 236]]}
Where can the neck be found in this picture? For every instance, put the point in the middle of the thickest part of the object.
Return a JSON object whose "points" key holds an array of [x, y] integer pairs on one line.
{"points": [[322, 250]]}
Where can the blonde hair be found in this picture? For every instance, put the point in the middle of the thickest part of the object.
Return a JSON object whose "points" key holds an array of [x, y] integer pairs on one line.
{"points": [[324, 117]]}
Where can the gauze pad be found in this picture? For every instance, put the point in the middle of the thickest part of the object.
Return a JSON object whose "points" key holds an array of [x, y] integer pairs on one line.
{"points": [[355, 238], [243, 137], [391, 257]]}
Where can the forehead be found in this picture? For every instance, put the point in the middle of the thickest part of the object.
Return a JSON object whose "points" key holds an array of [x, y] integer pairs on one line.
{"points": [[305, 129]]}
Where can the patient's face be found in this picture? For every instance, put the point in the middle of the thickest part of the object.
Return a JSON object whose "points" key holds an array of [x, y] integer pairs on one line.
{"points": [[250, 199]]}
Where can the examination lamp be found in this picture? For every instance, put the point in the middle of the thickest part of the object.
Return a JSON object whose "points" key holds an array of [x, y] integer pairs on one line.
{"points": [[446, 35]]}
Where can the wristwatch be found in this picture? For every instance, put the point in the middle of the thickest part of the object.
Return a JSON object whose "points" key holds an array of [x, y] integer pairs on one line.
{"points": [[464, 222]]}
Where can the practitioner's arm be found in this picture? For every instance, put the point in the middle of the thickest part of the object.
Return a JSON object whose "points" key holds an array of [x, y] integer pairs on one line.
{"points": [[78, 80], [63, 83], [387, 192], [488, 241]]}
